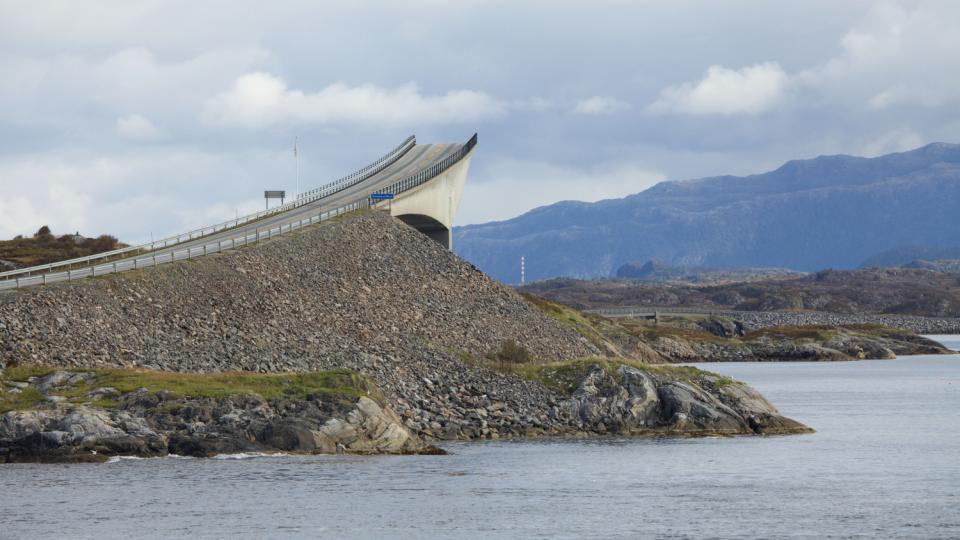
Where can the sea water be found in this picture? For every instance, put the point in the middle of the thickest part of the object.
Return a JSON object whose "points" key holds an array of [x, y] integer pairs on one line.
{"points": [[884, 463]]}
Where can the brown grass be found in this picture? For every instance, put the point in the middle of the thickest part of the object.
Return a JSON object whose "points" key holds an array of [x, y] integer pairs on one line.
{"points": [[45, 248]]}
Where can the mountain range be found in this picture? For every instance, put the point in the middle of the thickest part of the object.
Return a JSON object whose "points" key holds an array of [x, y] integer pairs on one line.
{"points": [[834, 211]]}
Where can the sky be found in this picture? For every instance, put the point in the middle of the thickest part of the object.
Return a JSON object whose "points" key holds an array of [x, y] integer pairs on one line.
{"points": [[154, 117]]}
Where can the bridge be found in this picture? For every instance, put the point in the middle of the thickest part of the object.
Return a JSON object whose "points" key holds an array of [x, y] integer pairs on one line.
{"points": [[420, 184]]}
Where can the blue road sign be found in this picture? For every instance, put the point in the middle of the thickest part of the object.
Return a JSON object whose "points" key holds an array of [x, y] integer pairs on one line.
{"points": [[381, 196]]}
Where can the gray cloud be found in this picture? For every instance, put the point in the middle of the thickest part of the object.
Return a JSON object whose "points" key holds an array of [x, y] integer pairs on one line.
{"points": [[140, 117]]}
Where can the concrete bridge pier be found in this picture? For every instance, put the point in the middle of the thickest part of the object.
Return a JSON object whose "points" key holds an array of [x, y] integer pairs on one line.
{"points": [[431, 207]]}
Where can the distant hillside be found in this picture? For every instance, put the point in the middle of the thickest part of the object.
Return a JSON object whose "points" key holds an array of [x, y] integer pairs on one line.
{"points": [[905, 255], [658, 271], [828, 212], [900, 291], [44, 247], [939, 265]]}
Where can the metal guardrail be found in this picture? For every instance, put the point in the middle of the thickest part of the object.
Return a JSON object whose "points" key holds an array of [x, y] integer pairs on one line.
{"points": [[186, 253], [629, 311], [359, 176], [432, 171], [311, 196], [242, 240]]}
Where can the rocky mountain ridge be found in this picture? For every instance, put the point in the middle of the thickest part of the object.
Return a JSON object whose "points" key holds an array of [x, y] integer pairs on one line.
{"points": [[827, 212]]}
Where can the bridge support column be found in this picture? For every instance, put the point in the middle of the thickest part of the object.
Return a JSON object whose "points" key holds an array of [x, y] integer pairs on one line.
{"points": [[432, 207]]}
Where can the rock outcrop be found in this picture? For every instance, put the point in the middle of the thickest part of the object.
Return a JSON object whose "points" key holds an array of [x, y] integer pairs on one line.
{"points": [[144, 423], [73, 419], [627, 400]]}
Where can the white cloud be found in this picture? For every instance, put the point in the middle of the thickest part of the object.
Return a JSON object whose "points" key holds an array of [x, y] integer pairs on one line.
{"points": [[162, 189], [508, 187], [749, 90], [534, 104], [895, 56], [261, 99], [135, 127], [65, 90], [599, 105], [898, 140], [17, 215]]}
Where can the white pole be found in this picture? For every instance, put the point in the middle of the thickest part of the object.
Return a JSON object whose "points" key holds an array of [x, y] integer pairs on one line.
{"points": [[522, 270], [296, 154]]}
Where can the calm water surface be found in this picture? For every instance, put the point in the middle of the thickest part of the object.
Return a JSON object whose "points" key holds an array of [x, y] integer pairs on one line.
{"points": [[885, 463]]}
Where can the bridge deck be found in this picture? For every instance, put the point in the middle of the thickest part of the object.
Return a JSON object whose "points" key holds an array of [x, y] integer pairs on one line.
{"points": [[418, 158]]}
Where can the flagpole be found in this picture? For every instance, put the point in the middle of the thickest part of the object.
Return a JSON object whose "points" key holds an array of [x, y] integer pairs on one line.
{"points": [[296, 154]]}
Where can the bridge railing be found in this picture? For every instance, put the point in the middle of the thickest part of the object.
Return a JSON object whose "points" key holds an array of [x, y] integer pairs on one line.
{"points": [[432, 171], [359, 176], [149, 261], [306, 198]]}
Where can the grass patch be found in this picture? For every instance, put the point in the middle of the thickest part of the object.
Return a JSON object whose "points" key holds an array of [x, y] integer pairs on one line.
{"points": [[565, 377], [654, 331], [339, 383], [26, 399], [817, 333], [569, 317]]}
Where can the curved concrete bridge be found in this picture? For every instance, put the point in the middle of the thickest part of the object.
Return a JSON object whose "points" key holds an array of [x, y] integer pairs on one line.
{"points": [[426, 181], [430, 206]]}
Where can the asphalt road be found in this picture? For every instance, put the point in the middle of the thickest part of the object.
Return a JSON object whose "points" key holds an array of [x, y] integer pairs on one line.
{"points": [[420, 157]]}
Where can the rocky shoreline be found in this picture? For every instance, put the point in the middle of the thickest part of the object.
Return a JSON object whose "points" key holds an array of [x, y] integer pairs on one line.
{"points": [[723, 340], [685, 338], [363, 295], [70, 416], [769, 319], [74, 419]]}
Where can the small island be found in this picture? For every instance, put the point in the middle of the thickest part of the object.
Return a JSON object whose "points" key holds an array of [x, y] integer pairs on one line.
{"points": [[358, 335]]}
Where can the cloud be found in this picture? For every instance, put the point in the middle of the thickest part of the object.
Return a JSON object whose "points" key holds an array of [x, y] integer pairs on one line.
{"points": [[749, 90], [599, 105], [73, 93], [534, 104], [136, 128], [15, 215], [160, 189], [852, 77], [533, 183], [894, 57], [261, 99], [898, 140]]}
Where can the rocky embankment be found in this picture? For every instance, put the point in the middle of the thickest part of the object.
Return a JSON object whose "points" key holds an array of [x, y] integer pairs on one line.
{"points": [[365, 294], [68, 416], [363, 285]]}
